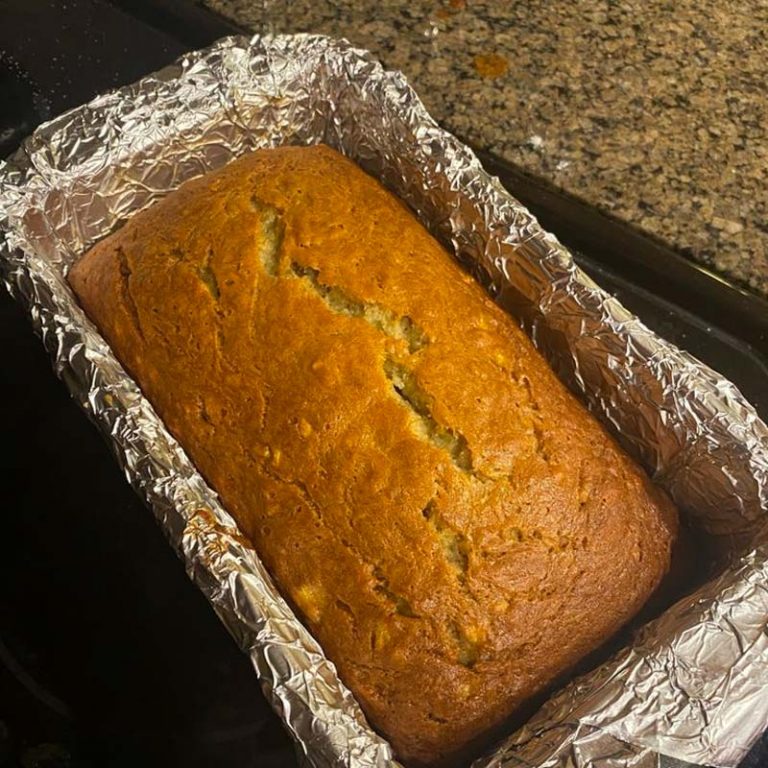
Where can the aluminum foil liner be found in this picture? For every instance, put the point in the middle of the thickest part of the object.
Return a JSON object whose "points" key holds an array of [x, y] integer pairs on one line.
{"points": [[694, 685]]}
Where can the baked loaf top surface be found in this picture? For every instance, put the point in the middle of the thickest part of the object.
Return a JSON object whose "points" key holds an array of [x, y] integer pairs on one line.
{"points": [[450, 523]]}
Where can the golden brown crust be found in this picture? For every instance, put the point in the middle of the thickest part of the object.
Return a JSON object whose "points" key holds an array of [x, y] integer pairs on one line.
{"points": [[453, 527]]}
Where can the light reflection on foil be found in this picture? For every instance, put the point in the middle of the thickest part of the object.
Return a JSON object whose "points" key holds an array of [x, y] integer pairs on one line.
{"points": [[694, 685]]}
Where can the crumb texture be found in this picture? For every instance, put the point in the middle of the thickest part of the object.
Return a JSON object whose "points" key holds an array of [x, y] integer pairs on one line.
{"points": [[448, 521]]}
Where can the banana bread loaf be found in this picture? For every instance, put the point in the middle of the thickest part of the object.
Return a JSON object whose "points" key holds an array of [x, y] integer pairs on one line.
{"points": [[449, 522]]}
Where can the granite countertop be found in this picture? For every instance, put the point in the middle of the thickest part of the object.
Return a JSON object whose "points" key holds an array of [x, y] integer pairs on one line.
{"points": [[653, 111]]}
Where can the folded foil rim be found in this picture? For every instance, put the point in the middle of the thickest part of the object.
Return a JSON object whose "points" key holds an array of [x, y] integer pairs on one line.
{"points": [[694, 684]]}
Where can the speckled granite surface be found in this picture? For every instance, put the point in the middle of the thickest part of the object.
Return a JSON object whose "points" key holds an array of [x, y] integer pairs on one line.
{"points": [[654, 111]]}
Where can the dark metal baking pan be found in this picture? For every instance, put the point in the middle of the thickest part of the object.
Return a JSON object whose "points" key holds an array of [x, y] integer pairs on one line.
{"points": [[82, 684]]}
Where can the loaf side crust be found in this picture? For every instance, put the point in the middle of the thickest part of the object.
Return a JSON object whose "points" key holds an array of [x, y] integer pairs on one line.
{"points": [[450, 523]]}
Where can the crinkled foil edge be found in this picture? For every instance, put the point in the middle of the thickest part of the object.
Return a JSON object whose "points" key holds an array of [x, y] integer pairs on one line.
{"points": [[694, 684]]}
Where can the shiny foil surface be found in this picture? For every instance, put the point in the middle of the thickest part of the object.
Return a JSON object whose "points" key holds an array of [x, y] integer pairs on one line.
{"points": [[693, 686]]}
